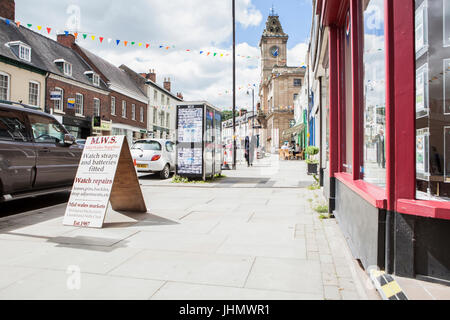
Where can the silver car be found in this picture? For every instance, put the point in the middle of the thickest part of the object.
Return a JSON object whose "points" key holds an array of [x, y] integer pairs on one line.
{"points": [[154, 156]]}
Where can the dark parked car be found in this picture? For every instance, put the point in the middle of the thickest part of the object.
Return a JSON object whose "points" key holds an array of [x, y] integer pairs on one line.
{"points": [[37, 154]]}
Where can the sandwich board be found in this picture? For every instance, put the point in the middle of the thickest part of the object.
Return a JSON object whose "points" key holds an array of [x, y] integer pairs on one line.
{"points": [[106, 174]]}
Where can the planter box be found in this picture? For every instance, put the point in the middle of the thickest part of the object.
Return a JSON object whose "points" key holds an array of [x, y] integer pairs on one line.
{"points": [[312, 168]]}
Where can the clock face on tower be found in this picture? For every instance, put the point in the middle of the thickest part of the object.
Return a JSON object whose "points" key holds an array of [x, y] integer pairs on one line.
{"points": [[275, 51]]}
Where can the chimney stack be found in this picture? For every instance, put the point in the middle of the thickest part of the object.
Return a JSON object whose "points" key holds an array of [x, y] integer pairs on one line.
{"points": [[8, 9], [167, 84], [180, 95], [66, 41], [152, 75]]}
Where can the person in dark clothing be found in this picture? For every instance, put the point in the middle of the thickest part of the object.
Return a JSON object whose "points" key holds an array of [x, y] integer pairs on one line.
{"points": [[247, 150], [379, 140]]}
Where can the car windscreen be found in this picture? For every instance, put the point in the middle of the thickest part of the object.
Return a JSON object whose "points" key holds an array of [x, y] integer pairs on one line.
{"points": [[147, 145]]}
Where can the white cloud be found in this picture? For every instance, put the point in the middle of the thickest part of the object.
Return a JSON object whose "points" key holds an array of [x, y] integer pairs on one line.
{"points": [[297, 55], [195, 25]]}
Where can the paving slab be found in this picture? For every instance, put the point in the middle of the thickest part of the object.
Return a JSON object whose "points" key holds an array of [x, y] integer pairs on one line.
{"points": [[58, 285], [214, 269], [188, 291], [292, 275]]}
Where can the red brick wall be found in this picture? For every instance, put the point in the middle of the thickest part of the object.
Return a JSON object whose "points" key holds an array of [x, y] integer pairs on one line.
{"points": [[88, 98], [7, 9], [118, 117], [105, 103]]}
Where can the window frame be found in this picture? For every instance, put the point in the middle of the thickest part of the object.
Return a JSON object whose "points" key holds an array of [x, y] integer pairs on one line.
{"points": [[61, 101], [38, 93], [113, 106], [99, 107], [133, 112], [79, 95], [124, 108], [67, 68], [27, 49], [8, 89]]}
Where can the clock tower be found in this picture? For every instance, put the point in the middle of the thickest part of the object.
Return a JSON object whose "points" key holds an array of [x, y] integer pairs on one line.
{"points": [[273, 45]]}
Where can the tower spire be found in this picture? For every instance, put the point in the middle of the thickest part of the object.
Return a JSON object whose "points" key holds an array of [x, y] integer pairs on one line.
{"points": [[272, 12]]}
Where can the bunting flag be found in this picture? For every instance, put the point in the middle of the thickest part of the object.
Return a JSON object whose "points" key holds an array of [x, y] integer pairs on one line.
{"points": [[51, 30]]}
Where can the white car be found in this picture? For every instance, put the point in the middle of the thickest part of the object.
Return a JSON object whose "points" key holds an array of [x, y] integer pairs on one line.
{"points": [[154, 156]]}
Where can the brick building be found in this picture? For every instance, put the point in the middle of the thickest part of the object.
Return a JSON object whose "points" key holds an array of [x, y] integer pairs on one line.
{"points": [[127, 105]]}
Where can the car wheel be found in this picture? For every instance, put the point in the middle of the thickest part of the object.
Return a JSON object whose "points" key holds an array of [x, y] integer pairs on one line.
{"points": [[165, 173]]}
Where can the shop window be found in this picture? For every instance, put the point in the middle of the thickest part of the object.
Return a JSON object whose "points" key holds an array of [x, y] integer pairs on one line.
{"points": [[422, 91], [374, 119], [446, 23], [421, 28], [433, 99], [347, 157]]}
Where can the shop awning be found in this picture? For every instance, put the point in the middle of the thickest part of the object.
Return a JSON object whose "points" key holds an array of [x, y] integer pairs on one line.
{"points": [[294, 130]]}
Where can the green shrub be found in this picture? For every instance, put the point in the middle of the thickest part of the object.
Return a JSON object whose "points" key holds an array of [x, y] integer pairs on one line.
{"points": [[321, 208], [312, 150]]}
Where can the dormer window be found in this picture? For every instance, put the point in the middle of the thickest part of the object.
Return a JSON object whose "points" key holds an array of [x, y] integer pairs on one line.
{"points": [[20, 49], [64, 66], [68, 69], [94, 77]]}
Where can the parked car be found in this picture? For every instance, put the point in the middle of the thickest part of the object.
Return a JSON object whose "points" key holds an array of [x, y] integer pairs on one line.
{"points": [[37, 154], [81, 142], [154, 156]]}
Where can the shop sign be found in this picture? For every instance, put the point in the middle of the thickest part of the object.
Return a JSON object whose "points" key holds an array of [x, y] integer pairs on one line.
{"points": [[70, 103], [55, 95], [106, 174]]}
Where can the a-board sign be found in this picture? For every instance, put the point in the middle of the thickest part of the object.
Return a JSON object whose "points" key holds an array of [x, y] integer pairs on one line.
{"points": [[105, 174]]}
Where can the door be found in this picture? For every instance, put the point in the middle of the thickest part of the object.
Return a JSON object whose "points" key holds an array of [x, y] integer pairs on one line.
{"points": [[17, 153], [56, 163]]}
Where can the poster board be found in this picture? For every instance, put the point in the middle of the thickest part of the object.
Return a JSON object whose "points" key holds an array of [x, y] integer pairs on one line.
{"points": [[190, 140], [106, 174]]}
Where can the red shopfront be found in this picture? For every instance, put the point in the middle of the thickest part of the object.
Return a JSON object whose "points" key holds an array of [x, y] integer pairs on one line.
{"points": [[388, 177]]}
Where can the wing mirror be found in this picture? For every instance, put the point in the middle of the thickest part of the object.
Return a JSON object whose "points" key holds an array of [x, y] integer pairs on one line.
{"points": [[69, 139]]}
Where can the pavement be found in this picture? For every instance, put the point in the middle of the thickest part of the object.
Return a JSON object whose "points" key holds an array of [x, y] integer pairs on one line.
{"points": [[251, 235]]}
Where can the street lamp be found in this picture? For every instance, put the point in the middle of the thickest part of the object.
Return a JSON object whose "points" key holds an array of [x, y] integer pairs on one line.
{"points": [[234, 83]]}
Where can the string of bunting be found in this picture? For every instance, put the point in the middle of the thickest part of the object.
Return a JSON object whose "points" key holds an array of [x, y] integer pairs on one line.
{"points": [[117, 42], [239, 88]]}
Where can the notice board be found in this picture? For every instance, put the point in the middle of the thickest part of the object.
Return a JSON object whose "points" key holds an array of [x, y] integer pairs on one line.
{"points": [[190, 140]]}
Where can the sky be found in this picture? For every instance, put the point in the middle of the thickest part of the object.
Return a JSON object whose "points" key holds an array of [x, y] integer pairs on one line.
{"points": [[195, 25]]}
